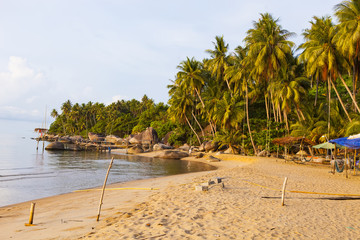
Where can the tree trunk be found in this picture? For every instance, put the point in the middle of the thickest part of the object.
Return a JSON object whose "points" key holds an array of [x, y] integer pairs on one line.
{"points": [[266, 107], [317, 89], [329, 105], [279, 112], [227, 82], [202, 130], [352, 97], [247, 119], [341, 102], [286, 122], [197, 136]]}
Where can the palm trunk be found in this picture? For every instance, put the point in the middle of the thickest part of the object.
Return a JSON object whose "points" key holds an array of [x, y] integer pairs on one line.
{"points": [[317, 89], [329, 105], [228, 85], [352, 97], [202, 130], [341, 102], [266, 107], [197, 136], [213, 130], [247, 119], [286, 122], [279, 112]]}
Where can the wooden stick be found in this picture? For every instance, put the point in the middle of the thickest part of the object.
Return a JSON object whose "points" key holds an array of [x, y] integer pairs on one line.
{"points": [[283, 192], [31, 218], [355, 162], [346, 164], [103, 189]]}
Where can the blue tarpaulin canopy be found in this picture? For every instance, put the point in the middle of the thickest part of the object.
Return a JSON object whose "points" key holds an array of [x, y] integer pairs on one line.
{"points": [[346, 142]]}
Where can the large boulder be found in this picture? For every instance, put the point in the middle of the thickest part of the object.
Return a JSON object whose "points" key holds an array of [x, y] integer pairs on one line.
{"points": [[55, 146], [96, 137], [113, 139], [160, 146], [172, 154], [165, 139], [211, 146], [149, 136], [185, 147], [136, 149]]}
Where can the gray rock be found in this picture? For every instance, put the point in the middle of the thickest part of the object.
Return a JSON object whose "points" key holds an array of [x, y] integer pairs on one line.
{"points": [[95, 137], [172, 154], [113, 139], [185, 147], [160, 146], [213, 159], [211, 146], [136, 149], [200, 155], [55, 146]]}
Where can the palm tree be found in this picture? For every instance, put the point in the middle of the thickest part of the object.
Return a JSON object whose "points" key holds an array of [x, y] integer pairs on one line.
{"points": [[320, 54], [238, 74], [219, 60], [181, 103], [268, 49], [348, 37]]}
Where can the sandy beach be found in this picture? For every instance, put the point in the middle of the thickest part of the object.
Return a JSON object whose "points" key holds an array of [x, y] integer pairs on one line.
{"points": [[248, 207]]}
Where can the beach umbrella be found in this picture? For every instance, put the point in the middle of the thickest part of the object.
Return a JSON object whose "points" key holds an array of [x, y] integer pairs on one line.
{"points": [[354, 136], [325, 145]]}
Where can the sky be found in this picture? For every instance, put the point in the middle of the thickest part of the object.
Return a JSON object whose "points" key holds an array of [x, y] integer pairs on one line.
{"points": [[108, 50]]}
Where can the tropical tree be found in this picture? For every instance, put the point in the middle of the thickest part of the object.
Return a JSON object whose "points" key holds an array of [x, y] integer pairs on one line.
{"points": [[348, 36], [219, 60]]}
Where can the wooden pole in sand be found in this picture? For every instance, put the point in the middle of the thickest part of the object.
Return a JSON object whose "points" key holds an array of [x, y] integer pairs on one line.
{"points": [[31, 218], [103, 189], [283, 192], [355, 162], [346, 164]]}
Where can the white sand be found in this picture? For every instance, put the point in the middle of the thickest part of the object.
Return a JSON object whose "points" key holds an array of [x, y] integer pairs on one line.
{"points": [[239, 211]]}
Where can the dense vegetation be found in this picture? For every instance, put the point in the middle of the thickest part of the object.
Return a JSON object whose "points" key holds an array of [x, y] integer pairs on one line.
{"points": [[245, 98]]}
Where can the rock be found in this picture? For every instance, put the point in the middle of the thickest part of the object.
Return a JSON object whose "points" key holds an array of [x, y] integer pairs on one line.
{"points": [[213, 159], [219, 153], [74, 147], [231, 151], [202, 146], [136, 139], [95, 137], [160, 146], [136, 149], [55, 146], [166, 138], [76, 138], [263, 153], [149, 136], [185, 147], [172, 154], [113, 139], [200, 155], [65, 139], [211, 146]]}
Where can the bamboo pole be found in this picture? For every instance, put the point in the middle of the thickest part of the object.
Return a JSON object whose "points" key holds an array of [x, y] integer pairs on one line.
{"points": [[31, 217], [103, 189], [346, 164], [355, 162], [283, 192]]}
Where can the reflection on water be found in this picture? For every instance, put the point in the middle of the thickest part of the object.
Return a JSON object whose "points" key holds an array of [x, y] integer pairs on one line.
{"points": [[26, 174]]}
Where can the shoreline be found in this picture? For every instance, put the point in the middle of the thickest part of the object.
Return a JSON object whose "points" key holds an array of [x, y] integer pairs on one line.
{"points": [[75, 223], [248, 207]]}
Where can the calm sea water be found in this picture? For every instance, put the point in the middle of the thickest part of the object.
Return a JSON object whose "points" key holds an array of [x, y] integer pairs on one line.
{"points": [[27, 174]]}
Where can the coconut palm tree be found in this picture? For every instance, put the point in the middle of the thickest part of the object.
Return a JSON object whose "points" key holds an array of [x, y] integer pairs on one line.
{"points": [[348, 37], [269, 47], [320, 54], [219, 60]]}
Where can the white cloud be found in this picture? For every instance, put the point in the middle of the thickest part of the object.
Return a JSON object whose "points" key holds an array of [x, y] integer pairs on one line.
{"points": [[18, 81]]}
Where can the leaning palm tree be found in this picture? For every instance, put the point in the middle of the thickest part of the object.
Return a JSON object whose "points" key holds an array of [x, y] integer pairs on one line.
{"points": [[348, 37]]}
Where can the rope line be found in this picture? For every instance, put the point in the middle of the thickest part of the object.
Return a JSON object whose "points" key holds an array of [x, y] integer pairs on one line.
{"points": [[304, 192], [96, 189]]}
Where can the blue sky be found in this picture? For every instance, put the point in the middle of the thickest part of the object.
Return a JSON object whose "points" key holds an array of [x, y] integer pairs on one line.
{"points": [[104, 50]]}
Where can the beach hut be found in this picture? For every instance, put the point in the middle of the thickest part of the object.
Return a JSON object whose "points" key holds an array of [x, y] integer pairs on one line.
{"points": [[289, 141]]}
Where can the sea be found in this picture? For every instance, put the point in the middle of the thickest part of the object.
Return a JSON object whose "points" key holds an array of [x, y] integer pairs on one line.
{"points": [[28, 173]]}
